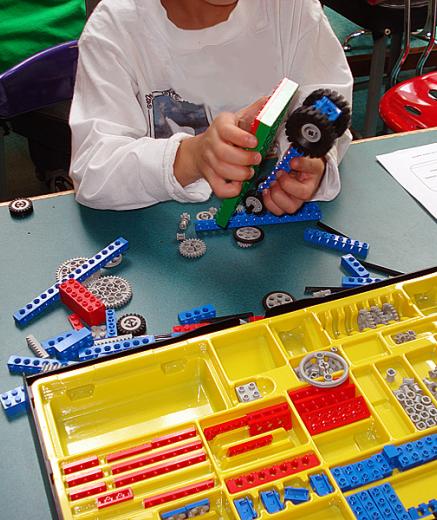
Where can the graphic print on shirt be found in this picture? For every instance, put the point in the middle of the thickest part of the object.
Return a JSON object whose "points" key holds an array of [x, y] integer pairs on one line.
{"points": [[168, 114]]}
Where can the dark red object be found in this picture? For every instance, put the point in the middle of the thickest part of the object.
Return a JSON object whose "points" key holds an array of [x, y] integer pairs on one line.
{"points": [[312, 403], [310, 391], [271, 473], [78, 465], [123, 454], [411, 105], [178, 493], [174, 437], [156, 457], [115, 497], [212, 431], [75, 322], [243, 447], [271, 418], [88, 491], [189, 327], [88, 307], [92, 474], [160, 469], [336, 415]]}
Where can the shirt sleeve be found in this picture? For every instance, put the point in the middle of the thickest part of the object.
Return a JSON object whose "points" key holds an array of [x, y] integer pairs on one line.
{"points": [[318, 62], [115, 165]]}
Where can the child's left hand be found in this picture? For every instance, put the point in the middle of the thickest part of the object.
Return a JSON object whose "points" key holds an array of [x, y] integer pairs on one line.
{"points": [[291, 190]]}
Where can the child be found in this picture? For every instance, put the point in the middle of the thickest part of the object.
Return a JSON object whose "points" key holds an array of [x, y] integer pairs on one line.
{"points": [[158, 111]]}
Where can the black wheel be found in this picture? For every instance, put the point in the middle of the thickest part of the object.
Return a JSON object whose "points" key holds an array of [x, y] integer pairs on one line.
{"points": [[310, 131], [20, 207], [276, 298], [253, 203], [248, 234], [343, 122], [134, 324]]}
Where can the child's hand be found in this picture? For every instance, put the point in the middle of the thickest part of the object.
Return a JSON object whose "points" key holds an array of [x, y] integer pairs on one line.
{"points": [[219, 155], [291, 190]]}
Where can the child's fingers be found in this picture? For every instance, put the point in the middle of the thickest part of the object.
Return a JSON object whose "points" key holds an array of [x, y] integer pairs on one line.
{"points": [[224, 189], [270, 205], [308, 164], [228, 131], [235, 155], [283, 200], [248, 114], [296, 188]]}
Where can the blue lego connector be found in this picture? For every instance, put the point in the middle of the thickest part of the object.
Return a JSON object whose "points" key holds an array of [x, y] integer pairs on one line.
{"points": [[197, 314], [381, 501], [94, 352], [308, 212], [272, 501], [351, 281], [337, 242], [14, 402], [296, 495], [321, 485], [328, 108], [245, 509], [354, 267], [111, 323], [180, 513], [22, 365], [357, 507], [51, 295], [378, 503], [282, 165], [393, 501], [68, 348]]}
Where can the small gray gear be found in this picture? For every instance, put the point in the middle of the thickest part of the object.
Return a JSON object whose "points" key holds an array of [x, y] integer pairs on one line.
{"points": [[192, 248], [204, 215], [69, 266], [248, 234], [114, 291], [114, 262]]}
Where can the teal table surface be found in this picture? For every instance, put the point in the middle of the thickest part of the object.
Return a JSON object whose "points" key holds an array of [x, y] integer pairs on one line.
{"points": [[372, 207]]}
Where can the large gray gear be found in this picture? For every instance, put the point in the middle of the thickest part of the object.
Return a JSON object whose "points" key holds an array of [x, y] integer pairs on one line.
{"points": [[192, 248], [69, 266], [114, 291], [322, 364]]}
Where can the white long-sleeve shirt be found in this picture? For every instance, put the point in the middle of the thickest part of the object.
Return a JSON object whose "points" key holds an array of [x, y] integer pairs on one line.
{"points": [[143, 84]]}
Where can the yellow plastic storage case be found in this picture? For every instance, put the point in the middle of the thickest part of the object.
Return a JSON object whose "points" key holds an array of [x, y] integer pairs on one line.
{"points": [[133, 436]]}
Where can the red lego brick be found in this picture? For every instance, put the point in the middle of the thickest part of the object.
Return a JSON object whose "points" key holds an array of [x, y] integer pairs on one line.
{"points": [[129, 452], [82, 478], [311, 391], [116, 497], [178, 493], [78, 465], [189, 327], [174, 437], [270, 418], [160, 469], [156, 457], [255, 318], [75, 322], [336, 415], [272, 473], [331, 396], [88, 491], [88, 307], [212, 431], [243, 447]]}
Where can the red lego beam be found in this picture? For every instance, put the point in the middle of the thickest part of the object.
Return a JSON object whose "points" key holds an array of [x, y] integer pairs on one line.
{"points": [[116, 497], [82, 478], [78, 465], [178, 493], [243, 447], [88, 491]]}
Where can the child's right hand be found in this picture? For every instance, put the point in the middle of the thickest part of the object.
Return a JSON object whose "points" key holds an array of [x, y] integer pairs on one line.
{"points": [[218, 154]]}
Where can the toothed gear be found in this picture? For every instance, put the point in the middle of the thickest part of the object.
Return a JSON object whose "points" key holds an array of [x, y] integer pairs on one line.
{"points": [[114, 291], [20, 207], [114, 262], [69, 266], [134, 324], [192, 248], [204, 215]]}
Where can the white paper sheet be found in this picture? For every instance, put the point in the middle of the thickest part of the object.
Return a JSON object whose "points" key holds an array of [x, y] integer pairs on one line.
{"points": [[416, 170]]}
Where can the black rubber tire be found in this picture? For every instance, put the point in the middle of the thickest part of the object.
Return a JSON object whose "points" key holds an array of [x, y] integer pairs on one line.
{"points": [[20, 207], [134, 324], [245, 240], [344, 121], [308, 116]]}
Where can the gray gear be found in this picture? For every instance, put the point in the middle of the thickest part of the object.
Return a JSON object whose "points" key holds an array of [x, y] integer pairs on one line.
{"points": [[312, 366], [276, 298], [114, 291], [69, 266], [114, 262], [204, 215], [192, 248], [248, 234]]}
